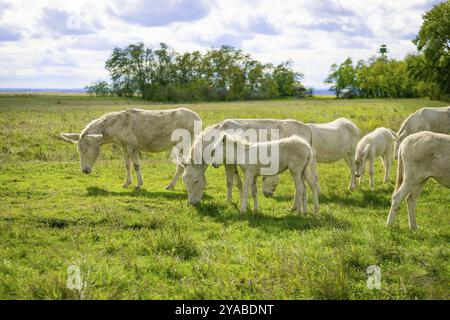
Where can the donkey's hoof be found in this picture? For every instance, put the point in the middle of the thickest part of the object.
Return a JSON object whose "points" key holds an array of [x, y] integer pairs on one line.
{"points": [[169, 187]]}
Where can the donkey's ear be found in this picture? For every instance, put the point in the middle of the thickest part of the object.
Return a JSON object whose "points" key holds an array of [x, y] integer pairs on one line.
{"points": [[70, 137], [94, 137], [198, 157], [366, 150], [177, 157]]}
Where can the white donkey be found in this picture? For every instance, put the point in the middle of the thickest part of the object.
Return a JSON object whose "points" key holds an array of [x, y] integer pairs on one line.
{"points": [[378, 143], [194, 173], [132, 130], [422, 156], [426, 119], [294, 153], [331, 142]]}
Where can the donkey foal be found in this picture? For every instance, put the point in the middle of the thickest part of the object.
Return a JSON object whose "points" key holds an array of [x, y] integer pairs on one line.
{"points": [[295, 154]]}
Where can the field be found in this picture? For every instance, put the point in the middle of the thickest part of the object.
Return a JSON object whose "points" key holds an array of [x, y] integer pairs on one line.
{"points": [[151, 244]]}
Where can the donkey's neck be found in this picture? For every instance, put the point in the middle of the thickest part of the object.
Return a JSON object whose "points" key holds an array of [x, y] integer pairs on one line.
{"points": [[98, 126]]}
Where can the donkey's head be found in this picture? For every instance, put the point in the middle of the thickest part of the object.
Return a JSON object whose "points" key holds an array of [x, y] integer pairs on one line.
{"points": [[195, 180], [269, 185], [360, 160], [88, 146]]}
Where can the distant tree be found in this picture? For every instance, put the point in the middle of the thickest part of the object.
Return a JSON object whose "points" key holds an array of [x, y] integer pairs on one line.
{"points": [[225, 73], [287, 80], [342, 77], [433, 40], [98, 88], [126, 67], [377, 78], [423, 84]]}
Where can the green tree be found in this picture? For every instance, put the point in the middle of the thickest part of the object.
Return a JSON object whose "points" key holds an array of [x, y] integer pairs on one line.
{"points": [[130, 69], [98, 88], [225, 73], [418, 69], [433, 40], [342, 77], [286, 79]]}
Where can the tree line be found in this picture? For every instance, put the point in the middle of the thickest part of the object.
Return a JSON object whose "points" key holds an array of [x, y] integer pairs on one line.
{"points": [[221, 74], [422, 74], [227, 73]]}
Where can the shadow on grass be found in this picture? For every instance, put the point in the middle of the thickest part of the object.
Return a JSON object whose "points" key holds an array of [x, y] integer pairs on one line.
{"points": [[227, 214], [376, 199], [369, 199], [141, 193]]}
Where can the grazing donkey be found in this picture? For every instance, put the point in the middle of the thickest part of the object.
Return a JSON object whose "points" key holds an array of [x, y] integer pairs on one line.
{"points": [[378, 143], [426, 119], [295, 154], [132, 130], [331, 142], [194, 173], [422, 156]]}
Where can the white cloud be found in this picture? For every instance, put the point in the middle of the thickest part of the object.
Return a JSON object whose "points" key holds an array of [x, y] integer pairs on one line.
{"points": [[65, 44]]}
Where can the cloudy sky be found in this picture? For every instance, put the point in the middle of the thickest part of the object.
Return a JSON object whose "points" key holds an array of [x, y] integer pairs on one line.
{"points": [[64, 44]]}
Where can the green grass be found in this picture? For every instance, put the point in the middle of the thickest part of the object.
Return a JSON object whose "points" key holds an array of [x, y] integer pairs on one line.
{"points": [[150, 244]]}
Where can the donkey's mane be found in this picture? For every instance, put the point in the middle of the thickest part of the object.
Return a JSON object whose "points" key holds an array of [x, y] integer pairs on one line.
{"points": [[98, 125], [241, 140], [404, 124], [198, 139]]}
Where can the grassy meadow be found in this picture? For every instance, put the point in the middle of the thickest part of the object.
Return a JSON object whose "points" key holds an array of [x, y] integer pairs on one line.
{"points": [[151, 244]]}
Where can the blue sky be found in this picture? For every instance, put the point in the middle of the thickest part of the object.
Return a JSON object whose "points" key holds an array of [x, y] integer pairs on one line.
{"points": [[62, 44]]}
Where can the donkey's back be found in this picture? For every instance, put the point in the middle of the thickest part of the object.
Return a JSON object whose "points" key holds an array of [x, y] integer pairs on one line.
{"points": [[152, 130]]}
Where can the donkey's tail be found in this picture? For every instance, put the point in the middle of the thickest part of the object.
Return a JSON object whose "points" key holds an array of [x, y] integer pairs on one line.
{"points": [[306, 174], [393, 133], [400, 169]]}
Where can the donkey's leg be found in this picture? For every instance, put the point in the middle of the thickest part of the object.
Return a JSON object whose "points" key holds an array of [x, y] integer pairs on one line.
{"points": [[294, 204], [237, 180], [387, 161], [383, 162], [397, 198], [247, 185], [229, 174], [127, 160], [137, 165], [350, 160], [305, 196], [174, 180], [298, 197], [363, 170], [301, 191], [371, 170], [411, 201], [255, 194], [314, 173], [310, 181]]}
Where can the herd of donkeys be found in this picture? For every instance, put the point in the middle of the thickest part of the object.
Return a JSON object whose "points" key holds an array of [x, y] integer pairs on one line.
{"points": [[421, 145]]}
